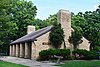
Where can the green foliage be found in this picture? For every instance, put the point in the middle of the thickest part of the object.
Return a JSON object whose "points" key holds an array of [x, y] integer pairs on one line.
{"points": [[92, 55], [49, 54], [89, 22], [44, 23], [45, 54], [22, 13], [78, 23], [38, 24], [97, 48], [51, 19], [4, 19], [5, 25], [47, 22], [80, 51], [56, 35], [92, 30], [76, 36], [84, 54], [15, 16]]}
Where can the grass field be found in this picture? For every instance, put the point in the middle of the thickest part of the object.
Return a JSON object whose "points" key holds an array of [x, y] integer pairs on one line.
{"points": [[8, 64], [80, 64]]}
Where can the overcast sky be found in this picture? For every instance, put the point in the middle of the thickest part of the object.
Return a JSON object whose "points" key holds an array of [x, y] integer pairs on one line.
{"points": [[47, 7]]}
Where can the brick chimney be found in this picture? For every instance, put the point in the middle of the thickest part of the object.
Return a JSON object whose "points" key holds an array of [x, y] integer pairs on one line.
{"points": [[30, 29]]}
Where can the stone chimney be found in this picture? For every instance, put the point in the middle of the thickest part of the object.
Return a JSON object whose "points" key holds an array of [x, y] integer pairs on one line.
{"points": [[64, 18], [30, 29]]}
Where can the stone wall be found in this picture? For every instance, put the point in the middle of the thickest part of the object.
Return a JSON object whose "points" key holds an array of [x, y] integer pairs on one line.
{"points": [[85, 44], [42, 43]]}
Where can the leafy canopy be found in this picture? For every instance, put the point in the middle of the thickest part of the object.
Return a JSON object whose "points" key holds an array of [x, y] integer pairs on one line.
{"points": [[22, 13], [56, 35]]}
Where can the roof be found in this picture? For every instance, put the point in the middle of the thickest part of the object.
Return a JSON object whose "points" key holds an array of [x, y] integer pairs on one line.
{"points": [[32, 36]]}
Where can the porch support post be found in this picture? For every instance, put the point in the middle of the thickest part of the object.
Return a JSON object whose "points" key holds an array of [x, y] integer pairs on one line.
{"points": [[22, 50], [33, 51], [17, 50], [26, 51], [14, 50], [11, 50]]}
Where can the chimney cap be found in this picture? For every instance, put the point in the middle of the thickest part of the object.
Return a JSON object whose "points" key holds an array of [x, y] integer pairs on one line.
{"points": [[30, 26], [64, 11]]}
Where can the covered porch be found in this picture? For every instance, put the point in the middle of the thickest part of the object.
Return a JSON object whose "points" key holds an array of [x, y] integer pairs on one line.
{"points": [[22, 50]]}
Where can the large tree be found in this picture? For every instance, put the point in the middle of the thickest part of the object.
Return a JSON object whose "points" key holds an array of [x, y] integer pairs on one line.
{"points": [[22, 13], [90, 25], [92, 30], [15, 16], [5, 25]]}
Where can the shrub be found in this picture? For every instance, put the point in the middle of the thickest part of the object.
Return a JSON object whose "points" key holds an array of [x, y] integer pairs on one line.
{"points": [[49, 54], [92, 55], [97, 48], [80, 51], [44, 54], [84, 54]]}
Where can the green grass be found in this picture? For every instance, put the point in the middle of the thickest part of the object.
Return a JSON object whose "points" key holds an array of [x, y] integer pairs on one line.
{"points": [[8, 64], [80, 64]]}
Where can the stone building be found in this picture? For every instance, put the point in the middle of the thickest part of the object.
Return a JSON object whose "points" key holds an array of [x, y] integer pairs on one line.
{"points": [[31, 44]]}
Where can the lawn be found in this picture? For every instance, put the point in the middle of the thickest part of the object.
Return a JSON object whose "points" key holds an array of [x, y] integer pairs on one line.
{"points": [[8, 64], [80, 64]]}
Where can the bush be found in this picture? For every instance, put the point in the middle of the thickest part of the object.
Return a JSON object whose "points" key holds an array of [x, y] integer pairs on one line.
{"points": [[65, 53], [44, 54], [97, 48], [84, 54], [49, 54]]}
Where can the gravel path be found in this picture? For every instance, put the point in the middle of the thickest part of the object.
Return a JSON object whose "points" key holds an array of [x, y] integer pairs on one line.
{"points": [[27, 62]]}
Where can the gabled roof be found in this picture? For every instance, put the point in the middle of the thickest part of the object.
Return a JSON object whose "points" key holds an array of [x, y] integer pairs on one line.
{"points": [[32, 36]]}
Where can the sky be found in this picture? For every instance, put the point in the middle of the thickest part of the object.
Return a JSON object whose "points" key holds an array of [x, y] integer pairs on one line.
{"points": [[50, 7]]}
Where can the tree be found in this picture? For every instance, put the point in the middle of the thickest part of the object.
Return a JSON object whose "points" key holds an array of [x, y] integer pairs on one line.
{"points": [[56, 35], [5, 25], [3, 18], [92, 30], [76, 37], [49, 21], [22, 13], [37, 23], [89, 22], [15, 16], [78, 22]]}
